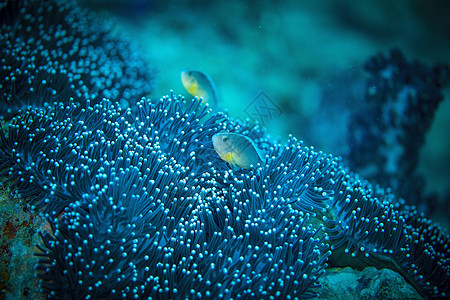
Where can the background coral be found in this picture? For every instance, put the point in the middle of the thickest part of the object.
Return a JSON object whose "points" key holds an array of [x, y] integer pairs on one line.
{"points": [[388, 130]]}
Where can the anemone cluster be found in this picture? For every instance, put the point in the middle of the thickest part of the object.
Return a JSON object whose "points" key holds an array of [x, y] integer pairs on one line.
{"points": [[53, 50], [140, 205]]}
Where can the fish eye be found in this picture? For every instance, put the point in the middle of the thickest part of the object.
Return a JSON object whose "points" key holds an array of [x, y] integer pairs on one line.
{"points": [[225, 139]]}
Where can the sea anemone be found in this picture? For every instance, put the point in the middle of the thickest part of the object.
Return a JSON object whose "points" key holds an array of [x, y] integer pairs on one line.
{"points": [[369, 227], [140, 205], [53, 50], [128, 188]]}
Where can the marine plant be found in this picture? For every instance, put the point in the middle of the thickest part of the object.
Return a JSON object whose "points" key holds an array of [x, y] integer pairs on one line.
{"points": [[141, 205]]}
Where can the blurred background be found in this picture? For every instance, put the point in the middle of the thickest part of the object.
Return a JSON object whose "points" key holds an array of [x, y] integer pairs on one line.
{"points": [[303, 59]]}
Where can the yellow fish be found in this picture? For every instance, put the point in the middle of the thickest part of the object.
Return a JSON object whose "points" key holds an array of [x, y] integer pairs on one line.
{"points": [[237, 149], [199, 84]]}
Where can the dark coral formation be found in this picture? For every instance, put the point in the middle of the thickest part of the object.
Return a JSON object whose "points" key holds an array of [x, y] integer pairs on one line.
{"points": [[388, 130], [52, 51], [141, 205]]}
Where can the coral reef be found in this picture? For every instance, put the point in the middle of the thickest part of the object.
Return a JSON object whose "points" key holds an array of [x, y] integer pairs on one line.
{"points": [[388, 130], [140, 205], [369, 283], [53, 50], [382, 123], [17, 247]]}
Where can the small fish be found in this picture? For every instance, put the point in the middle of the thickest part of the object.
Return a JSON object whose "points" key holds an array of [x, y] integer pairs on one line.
{"points": [[237, 149], [199, 84]]}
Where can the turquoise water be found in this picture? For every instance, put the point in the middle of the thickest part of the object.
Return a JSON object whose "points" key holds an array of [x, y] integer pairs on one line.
{"points": [[304, 57]]}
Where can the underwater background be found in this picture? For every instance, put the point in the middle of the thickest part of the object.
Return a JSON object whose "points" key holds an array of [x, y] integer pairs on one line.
{"points": [[366, 82], [306, 57]]}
